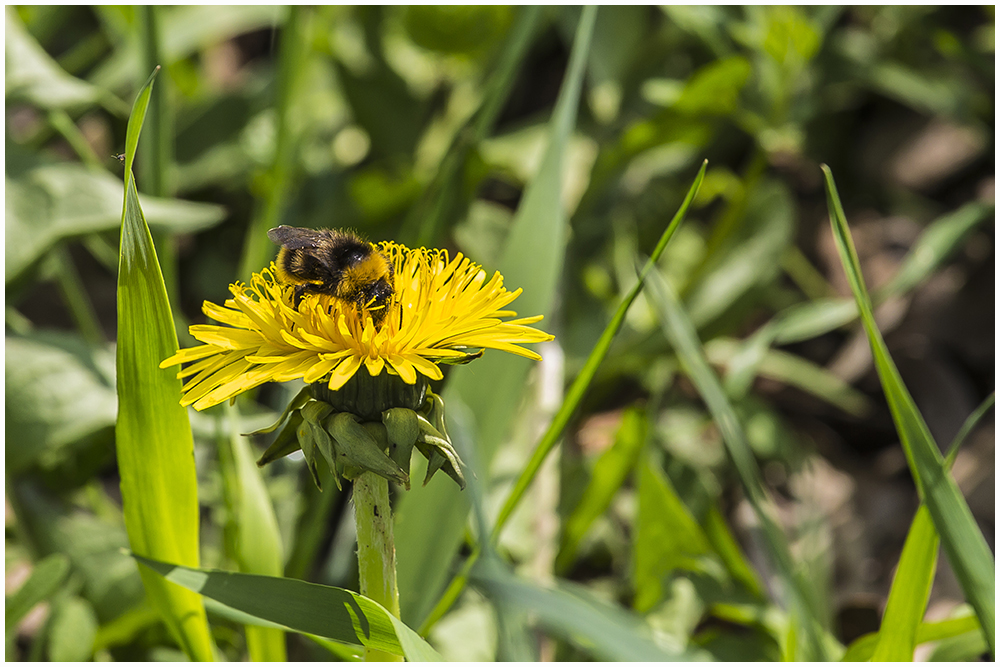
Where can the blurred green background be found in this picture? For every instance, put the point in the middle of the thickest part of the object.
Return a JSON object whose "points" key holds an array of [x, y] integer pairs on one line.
{"points": [[424, 125]]}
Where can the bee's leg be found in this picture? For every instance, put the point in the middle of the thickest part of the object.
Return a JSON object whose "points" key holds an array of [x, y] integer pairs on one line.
{"points": [[299, 291]]}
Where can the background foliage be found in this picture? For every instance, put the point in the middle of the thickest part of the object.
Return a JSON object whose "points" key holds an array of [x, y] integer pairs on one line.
{"points": [[440, 126]]}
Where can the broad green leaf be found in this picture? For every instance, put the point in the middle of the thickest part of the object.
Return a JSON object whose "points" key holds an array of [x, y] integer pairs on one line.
{"points": [[911, 587], [72, 631], [46, 578], [493, 387], [610, 471], [862, 648], [59, 395], [48, 202], [681, 334], [667, 537], [967, 551], [153, 436], [256, 540], [33, 76], [570, 612], [334, 613]]}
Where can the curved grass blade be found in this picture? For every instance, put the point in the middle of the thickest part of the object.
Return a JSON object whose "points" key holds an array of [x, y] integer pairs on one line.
{"points": [[300, 606], [681, 334], [152, 434], [967, 551]]}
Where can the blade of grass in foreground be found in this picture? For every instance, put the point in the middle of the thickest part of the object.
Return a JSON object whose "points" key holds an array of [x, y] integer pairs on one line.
{"points": [[911, 585], [863, 647], [152, 434], [325, 611], [681, 334], [963, 542]]}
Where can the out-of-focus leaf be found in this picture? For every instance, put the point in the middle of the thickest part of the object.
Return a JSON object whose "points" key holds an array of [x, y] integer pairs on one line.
{"points": [[911, 586], [456, 29], [610, 472], [936, 244], [58, 392], [797, 372], [667, 537], [109, 579], [752, 257], [51, 201], [72, 631], [326, 611], [46, 578], [603, 631], [715, 88], [493, 387], [968, 553], [33, 76], [256, 539], [186, 29], [152, 434]]}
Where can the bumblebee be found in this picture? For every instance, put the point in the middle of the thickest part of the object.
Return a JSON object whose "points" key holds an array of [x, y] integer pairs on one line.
{"points": [[337, 263]]}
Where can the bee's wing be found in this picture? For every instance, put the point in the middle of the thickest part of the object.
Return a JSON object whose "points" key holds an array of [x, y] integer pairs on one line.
{"points": [[295, 238]]}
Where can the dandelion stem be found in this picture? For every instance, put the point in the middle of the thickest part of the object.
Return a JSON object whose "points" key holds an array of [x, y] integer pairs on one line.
{"points": [[376, 549]]}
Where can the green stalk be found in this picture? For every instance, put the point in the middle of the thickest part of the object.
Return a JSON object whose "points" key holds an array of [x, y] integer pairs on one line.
{"points": [[376, 550]]}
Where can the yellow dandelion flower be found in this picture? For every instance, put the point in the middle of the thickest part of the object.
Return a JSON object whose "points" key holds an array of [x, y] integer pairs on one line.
{"points": [[441, 310]]}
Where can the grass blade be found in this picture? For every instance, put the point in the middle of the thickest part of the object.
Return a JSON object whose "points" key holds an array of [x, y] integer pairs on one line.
{"points": [[153, 436], [911, 587], [681, 334], [325, 611], [967, 551]]}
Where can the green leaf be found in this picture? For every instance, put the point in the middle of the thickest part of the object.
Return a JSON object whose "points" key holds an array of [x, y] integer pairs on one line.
{"points": [[46, 578], [59, 394], [681, 334], [667, 537], [72, 631], [911, 587], [610, 472], [334, 613], [49, 202], [33, 76], [967, 551], [153, 436], [532, 260]]}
